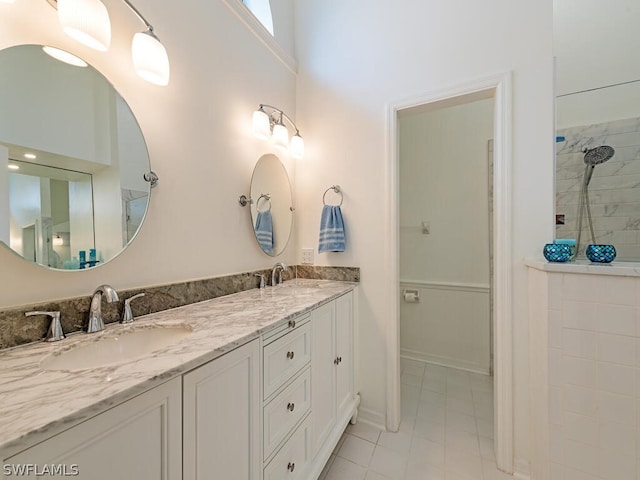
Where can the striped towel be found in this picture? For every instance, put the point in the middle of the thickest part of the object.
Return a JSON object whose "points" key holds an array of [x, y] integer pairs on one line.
{"points": [[264, 231], [331, 230]]}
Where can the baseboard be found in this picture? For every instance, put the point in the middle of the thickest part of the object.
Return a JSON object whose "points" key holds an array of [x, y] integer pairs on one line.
{"points": [[372, 418], [444, 361], [521, 469]]}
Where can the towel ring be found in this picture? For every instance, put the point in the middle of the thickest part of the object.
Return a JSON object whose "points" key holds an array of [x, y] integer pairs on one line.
{"points": [[338, 190], [268, 198]]}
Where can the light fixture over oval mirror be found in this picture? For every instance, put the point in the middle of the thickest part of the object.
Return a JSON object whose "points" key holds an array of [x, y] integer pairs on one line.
{"points": [[271, 205], [73, 162], [598, 105]]}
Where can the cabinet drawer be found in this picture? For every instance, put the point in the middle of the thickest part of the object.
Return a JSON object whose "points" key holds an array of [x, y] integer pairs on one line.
{"points": [[284, 411], [293, 459], [284, 357]]}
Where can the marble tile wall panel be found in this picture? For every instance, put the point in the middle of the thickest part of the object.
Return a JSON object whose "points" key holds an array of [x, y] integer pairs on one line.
{"points": [[614, 191], [16, 329]]}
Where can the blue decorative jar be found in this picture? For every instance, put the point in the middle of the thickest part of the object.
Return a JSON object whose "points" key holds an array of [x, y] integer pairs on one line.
{"points": [[557, 252], [601, 253]]}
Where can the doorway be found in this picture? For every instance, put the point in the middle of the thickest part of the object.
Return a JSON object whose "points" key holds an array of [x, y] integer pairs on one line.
{"points": [[498, 88]]}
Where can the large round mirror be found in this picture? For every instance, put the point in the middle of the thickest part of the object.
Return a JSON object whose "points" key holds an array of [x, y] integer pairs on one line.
{"points": [[271, 205], [72, 162]]}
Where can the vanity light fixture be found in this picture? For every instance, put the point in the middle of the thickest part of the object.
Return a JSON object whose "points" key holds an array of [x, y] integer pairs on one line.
{"points": [[271, 125], [57, 240], [30, 156], [149, 55], [88, 22], [63, 56]]}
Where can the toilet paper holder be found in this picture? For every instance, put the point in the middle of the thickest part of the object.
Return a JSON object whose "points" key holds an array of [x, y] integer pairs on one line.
{"points": [[411, 296]]}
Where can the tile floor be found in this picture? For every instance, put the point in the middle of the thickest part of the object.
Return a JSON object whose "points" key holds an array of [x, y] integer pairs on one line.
{"points": [[446, 432]]}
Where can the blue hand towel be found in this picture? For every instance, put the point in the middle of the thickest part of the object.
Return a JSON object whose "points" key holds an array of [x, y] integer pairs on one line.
{"points": [[264, 231], [331, 230]]}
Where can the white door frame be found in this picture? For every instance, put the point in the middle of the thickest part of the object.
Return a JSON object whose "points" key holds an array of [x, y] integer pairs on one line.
{"points": [[500, 84]]}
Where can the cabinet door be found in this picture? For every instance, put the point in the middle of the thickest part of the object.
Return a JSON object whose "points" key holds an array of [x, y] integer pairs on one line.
{"points": [[323, 373], [221, 417], [140, 439], [344, 350]]}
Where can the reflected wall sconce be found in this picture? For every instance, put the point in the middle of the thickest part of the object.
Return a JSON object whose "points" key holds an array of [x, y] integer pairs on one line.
{"points": [[87, 21], [268, 122]]}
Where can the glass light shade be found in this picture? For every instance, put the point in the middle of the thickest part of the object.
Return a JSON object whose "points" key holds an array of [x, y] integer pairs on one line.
{"points": [[260, 126], [280, 136], [150, 58], [57, 241], [297, 146], [86, 21], [63, 56]]}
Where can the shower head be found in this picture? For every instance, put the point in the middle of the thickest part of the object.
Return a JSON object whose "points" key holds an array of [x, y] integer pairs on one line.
{"points": [[598, 155]]}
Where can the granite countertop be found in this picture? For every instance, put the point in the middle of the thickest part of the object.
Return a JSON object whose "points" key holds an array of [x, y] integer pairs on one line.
{"points": [[36, 404]]}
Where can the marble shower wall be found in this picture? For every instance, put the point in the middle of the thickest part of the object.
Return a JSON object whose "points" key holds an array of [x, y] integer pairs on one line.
{"points": [[614, 191]]}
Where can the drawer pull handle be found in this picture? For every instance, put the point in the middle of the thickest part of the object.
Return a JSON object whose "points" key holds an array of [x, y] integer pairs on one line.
{"points": [[290, 355], [292, 324], [291, 406], [338, 360], [291, 466]]}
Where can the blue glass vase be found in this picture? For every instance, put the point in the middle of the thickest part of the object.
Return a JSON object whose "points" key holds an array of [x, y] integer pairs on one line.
{"points": [[557, 252], [601, 253]]}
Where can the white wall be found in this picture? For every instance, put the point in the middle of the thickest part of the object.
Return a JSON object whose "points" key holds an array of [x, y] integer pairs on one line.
{"points": [[132, 151], [444, 169], [594, 43], [55, 108], [198, 131], [27, 210], [4, 195], [357, 57], [599, 106], [444, 181]]}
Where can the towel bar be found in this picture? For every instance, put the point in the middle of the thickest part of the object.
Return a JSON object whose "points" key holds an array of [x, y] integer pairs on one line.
{"points": [[268, 199], [335, 188]]}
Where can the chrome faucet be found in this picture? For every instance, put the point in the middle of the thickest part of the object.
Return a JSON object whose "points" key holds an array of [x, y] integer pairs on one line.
{"points": [[283, 268], [55, 332], [127, 313], [95, 312]]}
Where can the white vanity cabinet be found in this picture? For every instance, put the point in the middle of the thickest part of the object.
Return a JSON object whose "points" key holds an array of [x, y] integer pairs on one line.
{"points": [[286, 356], [140, 439], [271, 409], [332, 375], [221, 421]]}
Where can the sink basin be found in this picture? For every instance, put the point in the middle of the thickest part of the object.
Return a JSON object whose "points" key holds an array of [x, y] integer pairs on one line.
{"points": [[114, 349], [294, 290]]}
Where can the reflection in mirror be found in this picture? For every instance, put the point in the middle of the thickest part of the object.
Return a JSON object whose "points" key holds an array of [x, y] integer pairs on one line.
{"points": [[598, 105], [271, 205], [72, 158]]}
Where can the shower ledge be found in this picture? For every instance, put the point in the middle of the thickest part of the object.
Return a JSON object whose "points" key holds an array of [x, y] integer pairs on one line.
{"points": [[620, 269]]}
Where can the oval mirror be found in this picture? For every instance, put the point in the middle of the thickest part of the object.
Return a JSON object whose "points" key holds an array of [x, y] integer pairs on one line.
{"points": [[271, 205], [72, 161]]}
